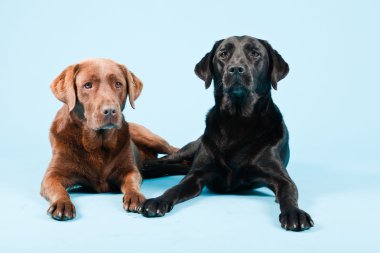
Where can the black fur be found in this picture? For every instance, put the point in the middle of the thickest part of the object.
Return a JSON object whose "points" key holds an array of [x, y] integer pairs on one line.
{"points": [[245, 143]]}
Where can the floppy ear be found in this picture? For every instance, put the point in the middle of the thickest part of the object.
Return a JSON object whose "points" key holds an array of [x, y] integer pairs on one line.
{"points": [[204, 68], [63, 86], [134, 85], [279, 66]]}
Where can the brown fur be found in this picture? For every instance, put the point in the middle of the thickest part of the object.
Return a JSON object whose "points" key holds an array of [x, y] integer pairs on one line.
{"points": [[101, 152]]}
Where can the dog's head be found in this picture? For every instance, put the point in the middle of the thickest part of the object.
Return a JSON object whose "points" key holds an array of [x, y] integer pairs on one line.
{"points": [[243, 69], [96, 90]]}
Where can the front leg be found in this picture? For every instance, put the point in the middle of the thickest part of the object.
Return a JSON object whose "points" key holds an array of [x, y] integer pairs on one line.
{"points": [[277, 179], [130, 186], [190, 187], [53, 188], [291, 217]]}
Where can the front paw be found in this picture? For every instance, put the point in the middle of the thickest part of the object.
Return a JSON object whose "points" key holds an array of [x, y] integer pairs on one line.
{"points": [[132, 201], [62, 210], [156, 207], [296, 220]]}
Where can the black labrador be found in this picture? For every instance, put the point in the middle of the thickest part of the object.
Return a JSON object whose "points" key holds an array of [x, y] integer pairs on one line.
{"points": [[245, 143]]}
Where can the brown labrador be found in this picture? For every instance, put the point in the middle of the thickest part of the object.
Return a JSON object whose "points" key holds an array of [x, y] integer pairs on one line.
{"points": [[93, 146]]}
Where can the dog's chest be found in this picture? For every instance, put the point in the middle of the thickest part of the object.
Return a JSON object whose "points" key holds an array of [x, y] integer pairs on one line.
{"points": [[230, 141], [100, 167], [237, 147]]}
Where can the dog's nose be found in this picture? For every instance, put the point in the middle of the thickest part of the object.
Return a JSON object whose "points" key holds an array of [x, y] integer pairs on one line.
{"points": [[236, 69], [109, 110]]}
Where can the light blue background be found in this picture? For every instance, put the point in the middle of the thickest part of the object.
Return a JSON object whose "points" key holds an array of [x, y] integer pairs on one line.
{"points": [[330, 102]]}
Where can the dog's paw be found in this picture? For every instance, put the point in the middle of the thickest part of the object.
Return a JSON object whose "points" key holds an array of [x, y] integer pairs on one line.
{"points": [[296, 220], [156, 207], [62, 210], [132, 201]]}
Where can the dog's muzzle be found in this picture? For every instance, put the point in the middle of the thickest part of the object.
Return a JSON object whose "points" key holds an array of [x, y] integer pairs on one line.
{"points": [[109, 117]]}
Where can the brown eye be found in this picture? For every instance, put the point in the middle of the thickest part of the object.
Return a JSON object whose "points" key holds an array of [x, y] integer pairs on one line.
{"points": [[118, 85], [223, 54], [254, 53], [88, 85]]}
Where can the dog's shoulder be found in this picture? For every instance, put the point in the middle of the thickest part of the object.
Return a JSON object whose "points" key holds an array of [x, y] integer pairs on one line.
{"points": [[64, 129], [61, 120]]}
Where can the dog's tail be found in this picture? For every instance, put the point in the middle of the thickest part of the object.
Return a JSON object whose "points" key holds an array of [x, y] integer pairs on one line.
{"points": [[164, 169]]}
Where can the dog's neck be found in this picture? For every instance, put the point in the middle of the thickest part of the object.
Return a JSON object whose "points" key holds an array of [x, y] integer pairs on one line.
{"points": [[106, 139], [262, 108], [264, 118]]}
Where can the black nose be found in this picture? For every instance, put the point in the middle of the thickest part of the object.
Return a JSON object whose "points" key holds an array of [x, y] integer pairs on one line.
{"points": [[236, 69], [109, 110]]}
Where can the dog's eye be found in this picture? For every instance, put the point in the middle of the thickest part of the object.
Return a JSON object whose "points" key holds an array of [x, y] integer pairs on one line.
{"points": [[223, 54], [254, 53], [88, 85], [118, 85]]}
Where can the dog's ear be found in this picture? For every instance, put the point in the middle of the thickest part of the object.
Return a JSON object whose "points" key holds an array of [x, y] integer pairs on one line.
{"points": [[134, 85], [63, 86], [204, 69], [279, 68]]}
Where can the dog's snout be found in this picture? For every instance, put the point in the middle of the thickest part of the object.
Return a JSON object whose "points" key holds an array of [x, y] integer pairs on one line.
{"points": [[109, 110], [236, 69], [108, 117]]}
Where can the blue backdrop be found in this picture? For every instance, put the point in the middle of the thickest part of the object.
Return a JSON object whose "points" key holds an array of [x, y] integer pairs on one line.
{"points": [[329, 101]]}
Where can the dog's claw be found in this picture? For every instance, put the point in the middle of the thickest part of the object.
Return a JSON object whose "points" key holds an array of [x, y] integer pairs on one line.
{"points": [[156, 207], [299, 219], [62, 210], [132, 201]]}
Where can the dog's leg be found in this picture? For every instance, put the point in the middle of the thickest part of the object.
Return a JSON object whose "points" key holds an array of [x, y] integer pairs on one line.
{"points": [[190, 187], [143, 137], [53, 188], [277, 179], [291, 217], [130, 186], [163, 170], [178, 163], [184, 154]]}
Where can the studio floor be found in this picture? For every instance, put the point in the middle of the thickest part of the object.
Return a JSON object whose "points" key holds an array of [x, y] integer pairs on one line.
{"points": [[342, 201]]}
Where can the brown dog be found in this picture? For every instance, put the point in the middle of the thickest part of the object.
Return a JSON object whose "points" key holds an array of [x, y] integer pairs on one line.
{"points": [[93, 146]]}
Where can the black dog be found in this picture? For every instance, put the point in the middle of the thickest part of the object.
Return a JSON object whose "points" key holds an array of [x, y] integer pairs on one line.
{"points": [[245, 143]]}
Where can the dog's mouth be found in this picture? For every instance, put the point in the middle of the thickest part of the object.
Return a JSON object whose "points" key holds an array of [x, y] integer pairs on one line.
{"points": [[108, 126], [238, 93]]}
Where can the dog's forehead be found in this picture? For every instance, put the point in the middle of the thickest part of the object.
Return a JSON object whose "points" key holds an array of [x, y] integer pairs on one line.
{"points": [[99, 68], [241, 41]]}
